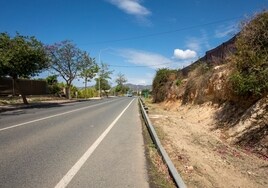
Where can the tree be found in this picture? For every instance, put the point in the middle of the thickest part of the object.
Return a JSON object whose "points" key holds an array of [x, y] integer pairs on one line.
{"points": [[121, 80], [88, 69], [161, 85], [66, 59], [102, 81], [53, 85], [145, 93], [21, 57], [104, 86], [52, 80]]}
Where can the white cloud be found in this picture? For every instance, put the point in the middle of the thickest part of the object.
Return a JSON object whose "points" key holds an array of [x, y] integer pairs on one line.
{"points": [[184, 54], [143, 58], [132, 7]]}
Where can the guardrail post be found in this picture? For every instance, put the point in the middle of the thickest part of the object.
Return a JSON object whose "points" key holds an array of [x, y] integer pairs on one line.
{"points": [[146, 109]]}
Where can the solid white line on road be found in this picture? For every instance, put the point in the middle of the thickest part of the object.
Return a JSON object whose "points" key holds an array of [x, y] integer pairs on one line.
{"points": [[73, 171], [48, 117]]}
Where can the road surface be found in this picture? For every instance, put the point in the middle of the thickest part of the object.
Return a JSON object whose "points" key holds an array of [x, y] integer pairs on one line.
{"points": [[83, 144]]}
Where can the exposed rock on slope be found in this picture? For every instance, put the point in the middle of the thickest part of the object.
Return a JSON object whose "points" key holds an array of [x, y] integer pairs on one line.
{"points": [[242, 122]]}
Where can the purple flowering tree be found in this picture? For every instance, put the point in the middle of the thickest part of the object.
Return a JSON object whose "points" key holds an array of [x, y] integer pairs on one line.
{"points": [[66, 59]]}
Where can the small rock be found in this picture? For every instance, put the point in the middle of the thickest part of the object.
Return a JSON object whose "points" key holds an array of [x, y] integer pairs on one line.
{"points": [[189, 168]]}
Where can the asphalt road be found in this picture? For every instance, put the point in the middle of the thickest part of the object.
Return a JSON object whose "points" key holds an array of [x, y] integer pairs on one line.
{"points": [[83, 144]]}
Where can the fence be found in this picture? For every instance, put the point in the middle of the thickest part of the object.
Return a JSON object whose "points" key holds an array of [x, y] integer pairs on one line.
{"points": [[214, 56], [28, 87]]}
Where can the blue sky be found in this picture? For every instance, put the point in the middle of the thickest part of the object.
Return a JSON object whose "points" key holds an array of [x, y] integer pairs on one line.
{"points": [[135, 37]]}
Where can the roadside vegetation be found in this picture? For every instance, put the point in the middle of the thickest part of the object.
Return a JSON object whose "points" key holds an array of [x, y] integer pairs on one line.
{"points": [[162, 81], [70, 63], [250, 75], [120, 88], [245, 77], [234, 92], [23, 57], [102, 81]]}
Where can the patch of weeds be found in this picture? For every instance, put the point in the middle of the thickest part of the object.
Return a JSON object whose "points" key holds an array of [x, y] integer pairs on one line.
{"points": [[178, 82], [10, 100]]}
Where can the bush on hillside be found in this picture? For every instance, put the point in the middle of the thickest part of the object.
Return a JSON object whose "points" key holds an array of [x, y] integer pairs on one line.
{"points": [[250, 78], [197, 84], [162, 80]]}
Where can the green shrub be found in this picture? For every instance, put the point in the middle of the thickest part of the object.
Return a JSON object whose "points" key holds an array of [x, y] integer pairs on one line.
{"points": [[250, 77], [178, 82], [87, 93], [255, 83], [54, 89], [161, 82]]}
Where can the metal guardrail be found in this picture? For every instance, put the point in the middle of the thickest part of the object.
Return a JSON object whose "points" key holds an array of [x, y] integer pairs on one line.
{"points": [[172, 170]]}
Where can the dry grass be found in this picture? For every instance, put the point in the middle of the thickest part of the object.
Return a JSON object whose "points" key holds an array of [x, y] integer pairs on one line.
{"points": [[12, 100], [200, 153]]}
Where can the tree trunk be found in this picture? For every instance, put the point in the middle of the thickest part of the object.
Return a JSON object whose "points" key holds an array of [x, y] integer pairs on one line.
{"points": [[86, 94], [17, 86], [68, 92]]}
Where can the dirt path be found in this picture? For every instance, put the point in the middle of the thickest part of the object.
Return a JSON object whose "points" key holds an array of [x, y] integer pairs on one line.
{"points": [[201, 156]]}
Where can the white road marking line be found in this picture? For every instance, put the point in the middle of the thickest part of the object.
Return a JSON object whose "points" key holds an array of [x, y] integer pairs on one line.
{"points": [[67, 104], [17, 111], [48, 117], [73, 171]]}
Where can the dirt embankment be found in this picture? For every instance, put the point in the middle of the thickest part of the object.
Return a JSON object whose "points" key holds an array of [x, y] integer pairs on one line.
{"points": [[243, 121], [201, 151]]}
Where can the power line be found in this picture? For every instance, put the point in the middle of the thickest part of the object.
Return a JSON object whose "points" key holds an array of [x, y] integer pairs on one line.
{"points": [[167, 32], [140, 66]]}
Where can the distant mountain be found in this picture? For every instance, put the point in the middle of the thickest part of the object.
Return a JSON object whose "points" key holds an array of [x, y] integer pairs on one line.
{"points": [[138, 87]]}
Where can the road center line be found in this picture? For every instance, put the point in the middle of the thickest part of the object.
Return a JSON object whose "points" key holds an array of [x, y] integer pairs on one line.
{"points": [[73, 171], [48, 117]]}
